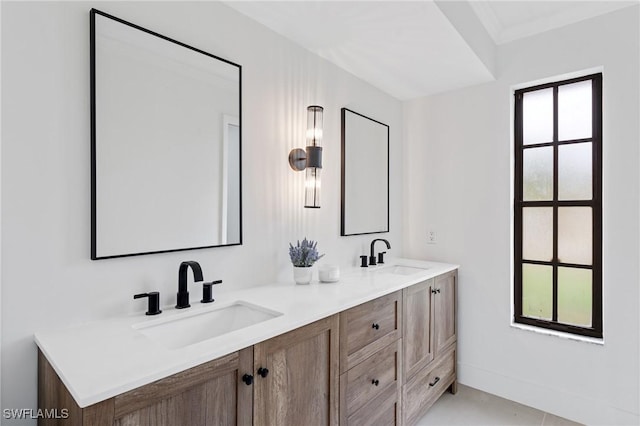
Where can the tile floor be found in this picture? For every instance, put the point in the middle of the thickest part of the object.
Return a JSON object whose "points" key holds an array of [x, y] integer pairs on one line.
{"points": [[473, 407]]}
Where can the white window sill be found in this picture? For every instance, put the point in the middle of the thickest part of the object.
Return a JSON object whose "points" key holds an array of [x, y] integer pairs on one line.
{"points": [[559, 334]]}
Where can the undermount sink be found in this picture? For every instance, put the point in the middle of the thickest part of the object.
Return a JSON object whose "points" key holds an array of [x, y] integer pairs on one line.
{"points": [[401, 269], [193, 327]]}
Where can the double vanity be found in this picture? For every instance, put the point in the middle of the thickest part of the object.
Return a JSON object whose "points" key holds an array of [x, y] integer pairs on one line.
{"points": [[378, 347]]}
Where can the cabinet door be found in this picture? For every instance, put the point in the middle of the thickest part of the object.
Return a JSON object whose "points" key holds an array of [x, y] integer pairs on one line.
{"points": [[445, 310], [301, 386], [209, 394], [418, 318]]}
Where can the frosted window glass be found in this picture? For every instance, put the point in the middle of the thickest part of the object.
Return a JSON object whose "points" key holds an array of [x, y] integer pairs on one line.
{"points": [[575, 235], [537, 289], [574, 111], [537, 116], [538, 174], [574, 296], [574, 172], [537, 233]]}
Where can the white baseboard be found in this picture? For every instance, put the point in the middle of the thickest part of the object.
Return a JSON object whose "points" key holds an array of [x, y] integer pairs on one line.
{"points": [[570, 406]]}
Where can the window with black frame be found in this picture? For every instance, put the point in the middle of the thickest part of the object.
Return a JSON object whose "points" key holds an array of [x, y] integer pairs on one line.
{"points": [[558, 206]]}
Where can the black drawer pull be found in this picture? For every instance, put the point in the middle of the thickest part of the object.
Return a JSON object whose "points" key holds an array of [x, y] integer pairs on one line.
{"points": [[262, 372], [375, 325], [435, 381], [375, 382]]}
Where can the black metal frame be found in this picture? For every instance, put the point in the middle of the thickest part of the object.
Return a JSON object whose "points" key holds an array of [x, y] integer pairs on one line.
{"points": [[92, 20], [343, 171], [595, 203]]}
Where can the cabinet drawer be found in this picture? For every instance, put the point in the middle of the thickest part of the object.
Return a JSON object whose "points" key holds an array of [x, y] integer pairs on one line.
{"points": [[371, 378], [422, 390], [382, 411], [368, 328]]}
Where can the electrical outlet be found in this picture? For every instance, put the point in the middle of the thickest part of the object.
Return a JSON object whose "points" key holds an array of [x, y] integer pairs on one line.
{"points": [[431, 237]]}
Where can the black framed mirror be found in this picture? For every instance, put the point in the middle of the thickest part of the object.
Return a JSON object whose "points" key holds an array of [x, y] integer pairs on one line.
{"points": [[365, 175], [165, 143]]}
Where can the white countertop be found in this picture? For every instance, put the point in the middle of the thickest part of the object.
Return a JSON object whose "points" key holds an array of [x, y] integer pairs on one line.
{"points": [[102, 359]]}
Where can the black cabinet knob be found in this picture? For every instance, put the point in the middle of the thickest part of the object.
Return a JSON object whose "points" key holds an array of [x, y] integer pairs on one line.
{"points": [[437, 290], [263, 372], [154, 302], [376, 326], [375, 382], [434, 291], [247, 379]]}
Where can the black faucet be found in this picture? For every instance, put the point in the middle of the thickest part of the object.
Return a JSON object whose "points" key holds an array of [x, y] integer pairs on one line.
{"points": [[372, 258], [183, 294]]}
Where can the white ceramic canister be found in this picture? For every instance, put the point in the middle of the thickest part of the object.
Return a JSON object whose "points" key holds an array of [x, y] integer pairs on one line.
{"points": [[329, 273]]}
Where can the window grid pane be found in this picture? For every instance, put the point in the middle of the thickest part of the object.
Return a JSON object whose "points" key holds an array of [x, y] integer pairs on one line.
{"points": [[575, 241], [575, 296], [537, 233], [575, 171], [537, 291], [538, 118], [574, 111], [538, 174]]}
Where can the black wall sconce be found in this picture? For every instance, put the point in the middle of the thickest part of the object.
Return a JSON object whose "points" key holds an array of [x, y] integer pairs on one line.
{"points": [[311, 158]]}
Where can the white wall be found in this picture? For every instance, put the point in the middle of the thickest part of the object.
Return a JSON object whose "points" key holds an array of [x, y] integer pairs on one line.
{"points": [[458, 173], [0, 209], [48, 280]]}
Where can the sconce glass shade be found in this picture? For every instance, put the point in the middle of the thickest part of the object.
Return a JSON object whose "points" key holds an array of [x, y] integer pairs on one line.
{"points": [[314, 125], [312, 188]]}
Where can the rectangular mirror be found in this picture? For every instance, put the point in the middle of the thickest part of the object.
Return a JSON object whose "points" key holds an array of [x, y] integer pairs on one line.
{"points": [[365, 175], [166, 143]]}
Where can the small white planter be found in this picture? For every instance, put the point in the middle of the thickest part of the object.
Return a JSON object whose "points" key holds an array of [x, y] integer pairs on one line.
{"points": [[302, 274]]}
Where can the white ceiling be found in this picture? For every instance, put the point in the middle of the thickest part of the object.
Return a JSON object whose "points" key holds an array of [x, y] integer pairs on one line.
{"points": [[511, 20], [407, 49], [411, 49]]}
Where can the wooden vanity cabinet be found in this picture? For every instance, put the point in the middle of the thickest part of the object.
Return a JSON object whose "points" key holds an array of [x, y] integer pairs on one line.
{"points": [[301, 385], [429, 344], [300, 388], [210, 394], [371, 362]]}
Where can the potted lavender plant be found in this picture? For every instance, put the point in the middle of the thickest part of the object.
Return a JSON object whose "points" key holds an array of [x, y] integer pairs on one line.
{"points": [[303, 256]]}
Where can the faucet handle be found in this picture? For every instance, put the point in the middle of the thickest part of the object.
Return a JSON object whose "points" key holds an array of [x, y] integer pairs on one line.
{"points": [[154, 302], [363, 261], [381, 256], [207, 291]]}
